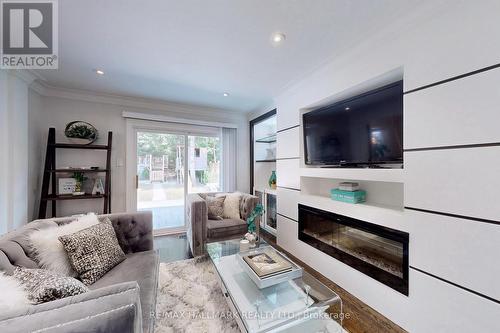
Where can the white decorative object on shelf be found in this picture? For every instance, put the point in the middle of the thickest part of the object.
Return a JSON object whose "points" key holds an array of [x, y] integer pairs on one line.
{"points": [[349, 186], [98, 187], [67, 185]]}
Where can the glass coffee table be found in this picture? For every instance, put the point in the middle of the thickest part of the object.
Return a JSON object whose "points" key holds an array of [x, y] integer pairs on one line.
{"points": [[300, 305]]}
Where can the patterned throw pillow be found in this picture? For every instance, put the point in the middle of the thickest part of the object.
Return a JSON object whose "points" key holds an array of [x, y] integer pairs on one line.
{"points": [[43, 285], [215, 207], [93, 251]]}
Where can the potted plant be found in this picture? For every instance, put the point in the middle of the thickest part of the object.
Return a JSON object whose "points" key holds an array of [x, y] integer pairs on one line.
{"points": [[80, 178], [81, 132]]}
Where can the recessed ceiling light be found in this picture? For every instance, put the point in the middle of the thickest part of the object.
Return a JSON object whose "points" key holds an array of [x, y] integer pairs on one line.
{"points": [[225, 94], [99, 72], [278, 38]]}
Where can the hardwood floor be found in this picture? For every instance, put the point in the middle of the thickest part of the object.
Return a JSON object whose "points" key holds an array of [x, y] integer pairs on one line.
{"points": [[172, 248], [359, 317]]}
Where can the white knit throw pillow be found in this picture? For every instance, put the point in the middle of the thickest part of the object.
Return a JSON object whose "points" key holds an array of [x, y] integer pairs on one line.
{"points": [[50, 252]]}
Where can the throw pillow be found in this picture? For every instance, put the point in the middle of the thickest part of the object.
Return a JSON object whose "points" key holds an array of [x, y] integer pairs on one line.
{"points": [[49, 251], [44, 286], [232, 206], [215, 207], [93, 251], [13, 295]]}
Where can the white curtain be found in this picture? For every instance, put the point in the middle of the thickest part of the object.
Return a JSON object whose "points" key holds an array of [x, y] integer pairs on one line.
{"points": [[229, 159]]}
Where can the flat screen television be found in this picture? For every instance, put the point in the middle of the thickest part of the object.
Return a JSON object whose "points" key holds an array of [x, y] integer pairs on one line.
{"points": [[366, 130]]}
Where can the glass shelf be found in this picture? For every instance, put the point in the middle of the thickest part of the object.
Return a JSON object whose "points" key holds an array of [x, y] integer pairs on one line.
{"points": [[267, 139]]}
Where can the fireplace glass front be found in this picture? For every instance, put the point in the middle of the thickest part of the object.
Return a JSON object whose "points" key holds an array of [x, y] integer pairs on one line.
{"points": [[377, 251]]}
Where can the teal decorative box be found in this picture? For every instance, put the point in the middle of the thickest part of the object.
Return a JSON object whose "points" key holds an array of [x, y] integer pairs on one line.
{"points": [[348, 196]]}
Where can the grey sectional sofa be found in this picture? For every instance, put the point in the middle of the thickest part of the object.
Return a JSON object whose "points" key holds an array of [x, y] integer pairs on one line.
{"points": [[122, 301], [201, 230]]}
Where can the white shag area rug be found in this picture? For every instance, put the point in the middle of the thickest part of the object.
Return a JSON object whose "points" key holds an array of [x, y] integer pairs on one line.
{"points": [[190, 299]]}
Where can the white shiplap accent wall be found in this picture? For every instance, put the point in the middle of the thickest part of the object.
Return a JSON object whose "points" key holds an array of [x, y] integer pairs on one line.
{"points": [[452, 258]]}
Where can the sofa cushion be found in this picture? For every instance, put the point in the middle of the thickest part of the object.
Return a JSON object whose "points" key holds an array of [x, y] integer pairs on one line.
{"points": [[143, 268], [133, 231], [114, 309], [44, 286], [226, 228], [49, 251], [93, 251], [16, 248]]}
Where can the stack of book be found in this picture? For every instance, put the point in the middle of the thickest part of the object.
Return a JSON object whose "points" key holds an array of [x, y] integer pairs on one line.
{"points": [[267, 267], [348, 192]]}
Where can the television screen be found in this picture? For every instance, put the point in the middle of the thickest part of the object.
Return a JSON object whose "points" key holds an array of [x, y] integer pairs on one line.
{"points": [[366, 129]]}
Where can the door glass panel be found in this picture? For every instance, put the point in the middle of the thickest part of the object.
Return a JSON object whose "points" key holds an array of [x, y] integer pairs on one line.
{"points": [[160, 172], [204, 164], [271, 211]]}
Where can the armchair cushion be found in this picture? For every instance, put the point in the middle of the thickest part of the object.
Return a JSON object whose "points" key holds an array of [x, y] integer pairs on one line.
{"points": [[220, 229], [215, 207], [232, 206]]}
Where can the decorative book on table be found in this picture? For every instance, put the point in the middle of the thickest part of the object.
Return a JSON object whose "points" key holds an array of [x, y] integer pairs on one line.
{"points": [[267, 267], [267, 263]]}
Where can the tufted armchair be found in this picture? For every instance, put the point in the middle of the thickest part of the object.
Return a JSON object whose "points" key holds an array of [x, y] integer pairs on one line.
{"points": [[123, 300], [201, 230]]}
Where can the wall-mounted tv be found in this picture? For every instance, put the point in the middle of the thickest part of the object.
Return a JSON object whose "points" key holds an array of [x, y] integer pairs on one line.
{"points": [[365, 130]]}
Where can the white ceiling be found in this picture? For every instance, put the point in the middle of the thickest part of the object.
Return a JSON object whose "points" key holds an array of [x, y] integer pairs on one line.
{"points": [[191, 51]]}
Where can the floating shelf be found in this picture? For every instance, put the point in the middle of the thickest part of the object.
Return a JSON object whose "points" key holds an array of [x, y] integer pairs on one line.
{"points": [[266, 161], [77, 170], [388, 216], [78, 146], [74, 197], [267, 139], [380, 175]]}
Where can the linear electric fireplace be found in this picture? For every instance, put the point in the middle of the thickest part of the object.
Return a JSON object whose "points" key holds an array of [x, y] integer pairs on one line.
{"points": [[377, 251]]}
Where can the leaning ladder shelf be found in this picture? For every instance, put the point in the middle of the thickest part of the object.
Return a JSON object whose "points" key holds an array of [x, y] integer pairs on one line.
{"points": [[50, 171]]}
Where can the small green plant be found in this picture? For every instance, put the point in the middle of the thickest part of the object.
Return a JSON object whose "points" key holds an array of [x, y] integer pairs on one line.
{"points": [[80, 178]]}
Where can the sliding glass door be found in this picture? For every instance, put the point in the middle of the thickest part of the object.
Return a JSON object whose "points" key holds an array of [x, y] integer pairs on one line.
{"points": [[169, 164], [204, 168], [160, 178]]}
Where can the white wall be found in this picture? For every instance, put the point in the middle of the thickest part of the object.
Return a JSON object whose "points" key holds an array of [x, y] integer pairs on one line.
{"points": [[107, 116], [58, 111], [438, 42], [13, 149], [36, 152]]}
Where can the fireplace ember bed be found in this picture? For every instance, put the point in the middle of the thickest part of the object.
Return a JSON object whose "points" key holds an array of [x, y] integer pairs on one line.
{"points": [[377, 251]]}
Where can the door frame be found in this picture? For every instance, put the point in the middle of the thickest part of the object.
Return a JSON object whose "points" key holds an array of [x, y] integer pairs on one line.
{"points": [[133, 126]]}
